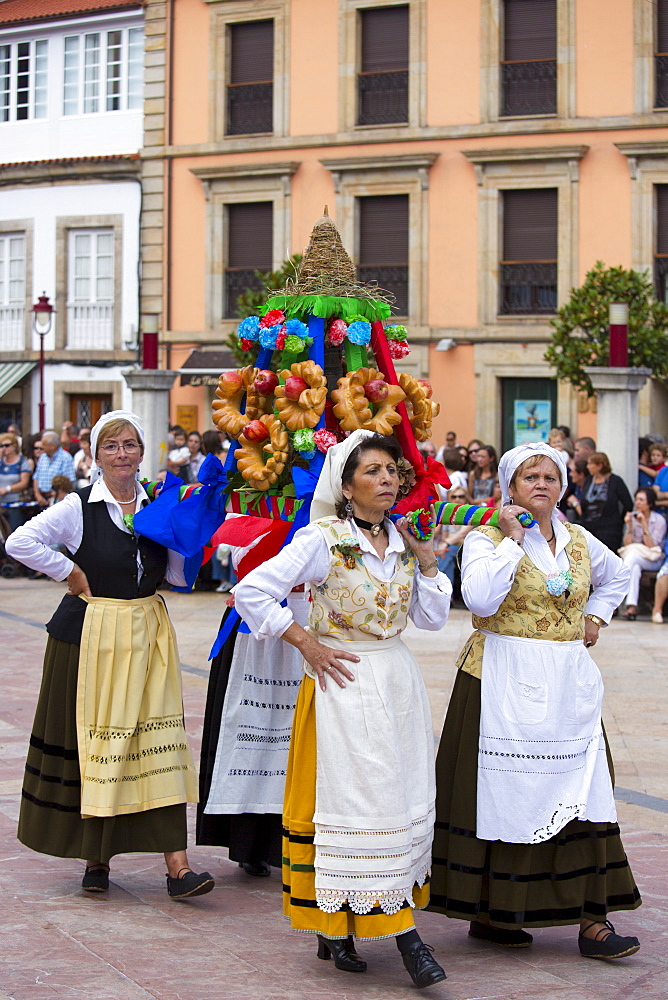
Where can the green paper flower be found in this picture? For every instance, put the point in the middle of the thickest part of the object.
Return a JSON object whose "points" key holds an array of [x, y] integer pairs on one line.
{"points": [[304, 440]]}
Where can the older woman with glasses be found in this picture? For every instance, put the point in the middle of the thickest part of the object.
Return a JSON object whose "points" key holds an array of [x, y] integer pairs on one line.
{"points": [[14, 477], [109, 770]]}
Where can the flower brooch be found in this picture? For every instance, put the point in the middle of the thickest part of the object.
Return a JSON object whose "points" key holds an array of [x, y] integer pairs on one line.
{"points": [[559, 583]]}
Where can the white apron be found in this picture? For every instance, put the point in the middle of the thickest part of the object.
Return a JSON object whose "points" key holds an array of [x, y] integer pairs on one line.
{"points": [[541, 752]]}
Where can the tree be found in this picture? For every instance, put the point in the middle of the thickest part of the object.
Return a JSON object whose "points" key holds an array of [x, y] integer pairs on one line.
{"points": [[581, 332], [251, 303]]}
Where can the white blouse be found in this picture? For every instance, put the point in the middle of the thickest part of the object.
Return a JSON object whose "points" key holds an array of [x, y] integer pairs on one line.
{"points": [[488, 570], [307, 560], [62, 524]]}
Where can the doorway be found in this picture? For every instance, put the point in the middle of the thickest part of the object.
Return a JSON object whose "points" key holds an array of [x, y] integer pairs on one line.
{"points": [[87, 410], [528, 410]]}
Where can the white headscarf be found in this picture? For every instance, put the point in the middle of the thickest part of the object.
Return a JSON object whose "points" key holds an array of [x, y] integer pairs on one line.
{"points": [[512, 460], [328, 492], [131, 418]]}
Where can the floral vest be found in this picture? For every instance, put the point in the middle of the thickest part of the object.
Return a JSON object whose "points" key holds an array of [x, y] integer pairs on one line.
{"points": [[528, 611], [351, 604]]}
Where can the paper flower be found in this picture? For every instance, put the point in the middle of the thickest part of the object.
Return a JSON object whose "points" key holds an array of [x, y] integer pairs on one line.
{"points": [[275, 317], [246, 344], [558, 583], [293, 344], [280, 339], [359, 332], [398, 349], [249, 328], [304, 440], [269, 335], [324, 439], [396, 332], [421, 524], [337, 333], [295, 328]]}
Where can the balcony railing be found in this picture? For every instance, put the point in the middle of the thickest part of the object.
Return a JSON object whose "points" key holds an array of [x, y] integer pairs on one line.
{"points": [[239, 280], [661, 80], [528, 288], [250, 108], [661, 278], [529, 88], [12, 328], [392, 279], [90, 326], [382, 98]]}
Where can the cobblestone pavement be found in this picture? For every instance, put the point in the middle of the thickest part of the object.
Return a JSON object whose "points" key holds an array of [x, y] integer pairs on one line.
{"points": [[59, 942]]}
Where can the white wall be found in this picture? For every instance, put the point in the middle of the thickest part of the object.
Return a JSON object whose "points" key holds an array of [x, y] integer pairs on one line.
{"points": [[72, 373]]}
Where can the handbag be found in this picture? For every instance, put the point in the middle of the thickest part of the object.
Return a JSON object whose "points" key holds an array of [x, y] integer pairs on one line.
{"points": [[651, 553]]}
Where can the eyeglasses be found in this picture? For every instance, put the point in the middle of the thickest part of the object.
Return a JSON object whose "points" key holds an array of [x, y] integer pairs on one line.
{"points": [[4, 444], [112, 448]]}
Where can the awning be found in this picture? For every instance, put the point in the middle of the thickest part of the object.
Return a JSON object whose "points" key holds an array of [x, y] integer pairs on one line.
{"points": [[12, 372], [205, 367]]}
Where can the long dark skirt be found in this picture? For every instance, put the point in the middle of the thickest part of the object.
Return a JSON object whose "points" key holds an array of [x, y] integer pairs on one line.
{"points": [[580, 873], [249, 836], [50, 820]]}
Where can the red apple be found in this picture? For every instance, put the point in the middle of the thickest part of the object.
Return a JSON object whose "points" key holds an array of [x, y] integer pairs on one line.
{"points": [[255, 431], [376, 390], [230, 383], [294, 387], [427, 386], [266, 381]]}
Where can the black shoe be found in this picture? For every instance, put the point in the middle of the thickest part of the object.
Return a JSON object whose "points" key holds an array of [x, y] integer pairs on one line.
{"points": [[612, 946], [191, 884], [258, 868], [345, 956], [422, 968], [510, 939], [96, 878]]}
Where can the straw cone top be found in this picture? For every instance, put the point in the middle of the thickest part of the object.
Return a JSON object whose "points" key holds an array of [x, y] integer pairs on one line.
{"points": [[325, 261]]}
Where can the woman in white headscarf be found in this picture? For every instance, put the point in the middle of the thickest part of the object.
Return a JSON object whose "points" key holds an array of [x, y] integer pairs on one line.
{"points": [[526, 826], [109, 770], [359, 792]]}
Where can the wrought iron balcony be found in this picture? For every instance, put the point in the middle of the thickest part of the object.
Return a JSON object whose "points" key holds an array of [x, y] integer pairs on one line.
{"points": [[661, 80], [529, 88], [392, 279], [250, 108], [239, 280], [12, 328], [528, 288], [660, 278], [382, 98]]}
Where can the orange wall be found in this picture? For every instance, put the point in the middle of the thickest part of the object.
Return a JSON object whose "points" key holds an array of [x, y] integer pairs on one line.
{"points": [[604, 55], [453, 382], [188, 272], [453, 241], [191, 72], [453, 62], [605, 206], [314, 66]]}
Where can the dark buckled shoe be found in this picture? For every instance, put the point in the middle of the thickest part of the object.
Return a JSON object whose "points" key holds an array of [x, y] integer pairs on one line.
{"points": [[611, 946], [96, 878], [343, 952], [498, 935], [423, 969], [258, 868], [190, 884]]}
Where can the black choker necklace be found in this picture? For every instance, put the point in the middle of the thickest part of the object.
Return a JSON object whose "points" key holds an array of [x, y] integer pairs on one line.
{"points": [[375, 529]]}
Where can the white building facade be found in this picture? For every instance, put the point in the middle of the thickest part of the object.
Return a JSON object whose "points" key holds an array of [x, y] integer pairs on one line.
{"points": [[71, 118]]}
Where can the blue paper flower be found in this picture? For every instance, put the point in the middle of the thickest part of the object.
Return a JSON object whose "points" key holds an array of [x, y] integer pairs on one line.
{"points": [[295, 328], [359, 332], [558, 583], [249, 328], [268, 336]]}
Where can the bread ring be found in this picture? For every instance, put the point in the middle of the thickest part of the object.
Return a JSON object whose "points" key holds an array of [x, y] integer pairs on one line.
{"points": [[423, 408], [262, 462], [307, 410], [227, 415], [353, 410]]}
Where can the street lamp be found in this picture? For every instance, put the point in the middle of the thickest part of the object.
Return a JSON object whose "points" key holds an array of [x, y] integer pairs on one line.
{"points": [[42, 316]]}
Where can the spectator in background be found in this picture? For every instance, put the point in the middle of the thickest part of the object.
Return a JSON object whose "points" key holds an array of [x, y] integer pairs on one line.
{"points": [[657, 461], [660, 487], [69, 437], [605, 501], [448, 538], [454, 465], [61, 486], [15, 475], [483, 478], [571, 503], [644, 478], [83, 460], [54, 461], [560, 441], [178, 459], [643, 544], [196, 454], [584, 447], [212, 445], [450, 442]]}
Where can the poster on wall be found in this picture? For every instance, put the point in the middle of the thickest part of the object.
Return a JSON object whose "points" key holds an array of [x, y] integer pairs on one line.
{"points": [[532, 420]]}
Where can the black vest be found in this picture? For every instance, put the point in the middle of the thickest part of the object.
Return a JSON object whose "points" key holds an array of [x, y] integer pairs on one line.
{"points": [[108, 557]]}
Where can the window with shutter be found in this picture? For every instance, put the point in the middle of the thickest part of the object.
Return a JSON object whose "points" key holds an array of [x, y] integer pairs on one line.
{"points": [[250, 91], [383, 245], [529, 65], [661, 55], [661, 243], [382, 82], [249, 249], [528, 268]]}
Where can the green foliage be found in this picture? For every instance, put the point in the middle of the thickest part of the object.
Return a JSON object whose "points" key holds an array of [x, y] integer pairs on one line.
{"points": [[253, 302], [581, 334]]}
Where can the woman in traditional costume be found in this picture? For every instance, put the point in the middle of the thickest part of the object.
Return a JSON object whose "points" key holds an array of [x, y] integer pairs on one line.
{"points": [[358, 811], [109, 770], [526, 826]]}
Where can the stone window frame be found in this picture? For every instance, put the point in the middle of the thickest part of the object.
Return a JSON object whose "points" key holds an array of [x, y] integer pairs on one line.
{"points": [[516, 169], [64, 225], [491, 34], [223, 186], [648, 166], [224, 13], [62, 390], [366, 176], [26, 227], [349, 60]]}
